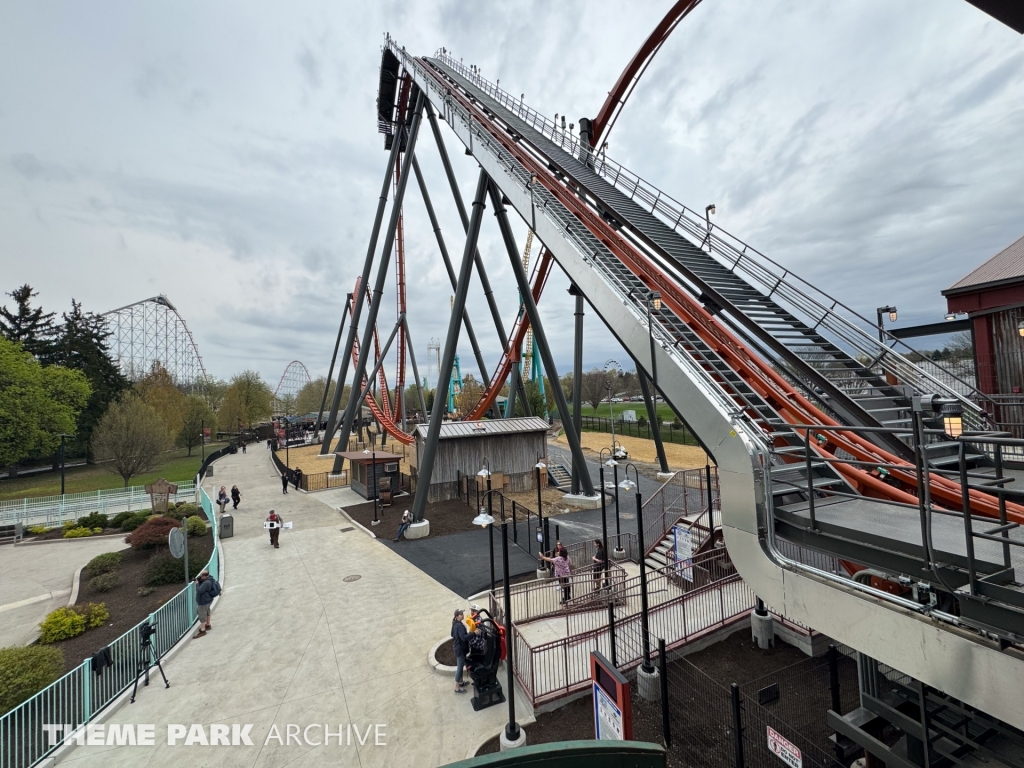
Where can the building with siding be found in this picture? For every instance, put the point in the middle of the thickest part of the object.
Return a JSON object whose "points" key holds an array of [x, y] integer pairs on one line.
{"points": [[512, 448]]}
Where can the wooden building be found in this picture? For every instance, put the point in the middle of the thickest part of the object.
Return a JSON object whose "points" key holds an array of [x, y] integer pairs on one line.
{"points": [[512, 448], [368, 469]]}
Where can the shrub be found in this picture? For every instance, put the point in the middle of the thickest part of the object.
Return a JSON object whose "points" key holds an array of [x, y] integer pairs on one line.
{"points": [[61, 624], [133, 521], [95, 520], [77, 533], [144, 591], [181, 511], [196, 526], [105, 581], [26, 671], [120, 517], [38, 530], [95, 614], [68, 524], [165, 569], [152, 533], [105, 563], [97, 530]]}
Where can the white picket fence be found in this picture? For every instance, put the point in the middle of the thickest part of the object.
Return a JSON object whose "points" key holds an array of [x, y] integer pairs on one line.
{"points": [[54, 510]]}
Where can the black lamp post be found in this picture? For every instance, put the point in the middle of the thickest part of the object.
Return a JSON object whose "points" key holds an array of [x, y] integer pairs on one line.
{"points": [[619, 551], [372, 474], [627, 485], [486, 520], [540, 466], [202, 441], [485, 471], [653, 301], [891, 311], [62, 462]]}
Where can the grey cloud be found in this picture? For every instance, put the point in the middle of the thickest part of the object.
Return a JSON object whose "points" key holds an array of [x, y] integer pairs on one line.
{"points": [[310, 67]]}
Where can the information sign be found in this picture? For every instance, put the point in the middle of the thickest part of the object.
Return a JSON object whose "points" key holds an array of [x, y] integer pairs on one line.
{"points": [[786, 750]]}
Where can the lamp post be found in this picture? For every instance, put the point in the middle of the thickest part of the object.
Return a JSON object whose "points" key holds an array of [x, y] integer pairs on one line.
{"points": [[1020, 328], [485, 471], [653, 301], [202, 441], [485, 519], [62, 462], [611, 411], [540, 466], [891, 311], [708, 213], [372, 451], [618, 552], [627, 485]]}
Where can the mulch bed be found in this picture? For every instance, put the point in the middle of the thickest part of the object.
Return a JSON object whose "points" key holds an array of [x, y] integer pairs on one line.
{"points": [[126, 607], [58, 533], [446, 517], [733, 660], [445, 654]]}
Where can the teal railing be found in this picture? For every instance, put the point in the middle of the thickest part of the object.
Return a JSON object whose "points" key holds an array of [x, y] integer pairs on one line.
{"points": [[52, 511], [79, 695]]}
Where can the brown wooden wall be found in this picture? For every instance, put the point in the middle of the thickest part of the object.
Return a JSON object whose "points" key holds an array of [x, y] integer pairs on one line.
{"points": [[509, 454]]}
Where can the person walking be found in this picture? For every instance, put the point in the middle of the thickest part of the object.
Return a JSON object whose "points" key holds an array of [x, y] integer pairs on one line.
{"points": [[297, 477], [275, 528], [404, 525], [284, 482], [561, 563], [460, 644], [207, 588], [236, 496], [600, 559], [243, 446], [222, 498]]}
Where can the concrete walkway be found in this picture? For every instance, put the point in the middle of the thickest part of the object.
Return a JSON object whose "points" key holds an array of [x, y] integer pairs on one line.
{"points": [[294, 642], [37, 579]]}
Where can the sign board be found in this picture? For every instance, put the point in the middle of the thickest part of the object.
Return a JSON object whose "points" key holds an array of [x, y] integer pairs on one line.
{"points": [[784, 749], [629, 416], [612, 712], [159, 494], [270, 524], [683, 551], [176, 542]]}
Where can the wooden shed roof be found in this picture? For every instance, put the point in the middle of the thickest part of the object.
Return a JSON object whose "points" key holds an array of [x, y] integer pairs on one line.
{"points": [[486, 428]]}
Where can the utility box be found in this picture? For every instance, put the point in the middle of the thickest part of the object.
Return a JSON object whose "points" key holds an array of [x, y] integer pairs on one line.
{"points": [[227, 526]]}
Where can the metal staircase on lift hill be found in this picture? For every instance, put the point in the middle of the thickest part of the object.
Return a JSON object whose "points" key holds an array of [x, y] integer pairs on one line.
{"points": [[854, 393]]}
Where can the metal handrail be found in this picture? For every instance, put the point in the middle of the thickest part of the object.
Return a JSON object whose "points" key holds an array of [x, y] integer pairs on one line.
{"points": [[735, 254]]}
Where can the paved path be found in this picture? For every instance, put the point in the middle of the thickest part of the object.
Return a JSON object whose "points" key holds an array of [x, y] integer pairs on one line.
{"points": [[37, 579], [294, 643]]}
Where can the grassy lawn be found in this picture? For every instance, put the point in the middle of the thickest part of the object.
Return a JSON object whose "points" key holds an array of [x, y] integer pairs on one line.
{"points": [[664, 410], [177, 467]]}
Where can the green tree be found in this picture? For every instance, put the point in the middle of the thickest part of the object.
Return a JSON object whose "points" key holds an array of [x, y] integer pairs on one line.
{"points": [[470, 395], [131, 435], [197, 417], [534, 397], [81, 344], [247, 401], [157, 389], [285, 405], [38, 404], [212, 391], [310, 396], [28, 326]]}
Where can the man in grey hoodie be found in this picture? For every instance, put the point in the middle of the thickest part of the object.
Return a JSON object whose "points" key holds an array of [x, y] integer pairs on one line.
{"points": [[207, 588]]}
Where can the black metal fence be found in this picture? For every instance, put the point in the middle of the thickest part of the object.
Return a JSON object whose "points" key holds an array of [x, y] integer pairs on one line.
{"points": [[670, 432]]}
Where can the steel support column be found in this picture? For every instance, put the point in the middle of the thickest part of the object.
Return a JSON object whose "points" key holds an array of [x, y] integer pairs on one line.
{"points": [[540, 338], [357, 304], [415, 370], [382, 274], [652, 417], [510, 404], [470, 333], [577, 379], [426, 464], [330, 371]]}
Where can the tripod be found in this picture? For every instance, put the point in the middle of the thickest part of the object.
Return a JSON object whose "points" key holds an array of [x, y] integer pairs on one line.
{"points": [[146, 632]]}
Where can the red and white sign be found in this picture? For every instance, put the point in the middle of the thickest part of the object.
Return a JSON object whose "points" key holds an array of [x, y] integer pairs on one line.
{"points": [[784, 749]]}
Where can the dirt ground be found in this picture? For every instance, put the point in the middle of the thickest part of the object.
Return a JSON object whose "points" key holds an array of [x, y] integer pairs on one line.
{"points": [[679, 456], [306, 458]]}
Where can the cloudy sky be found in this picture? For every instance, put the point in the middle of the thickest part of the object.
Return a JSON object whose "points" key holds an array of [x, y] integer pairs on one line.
{"points": [[226, 154]]}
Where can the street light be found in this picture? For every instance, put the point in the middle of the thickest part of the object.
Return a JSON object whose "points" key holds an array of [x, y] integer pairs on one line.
{"points": [[604, 518], [708, 213], [62, 462], [891, 311], [540, 466], [628, 485], [653, 300], [486, 520], [619, 552], [486, 472], [1020, 328], [373, 472]]}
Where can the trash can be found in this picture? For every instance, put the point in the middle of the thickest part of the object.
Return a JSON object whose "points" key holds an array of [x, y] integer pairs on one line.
{"points": [[227, 526]]}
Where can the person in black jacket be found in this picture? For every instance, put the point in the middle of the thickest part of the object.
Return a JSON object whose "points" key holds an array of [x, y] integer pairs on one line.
{"points": [[284, 482], [206, 589], [460, 644], [236, 496]]}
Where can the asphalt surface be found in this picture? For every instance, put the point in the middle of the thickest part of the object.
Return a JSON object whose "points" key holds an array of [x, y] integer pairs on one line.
{"points": [[461, 561]]}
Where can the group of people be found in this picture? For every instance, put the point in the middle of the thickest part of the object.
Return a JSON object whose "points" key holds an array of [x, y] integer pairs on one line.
{"points": [[223, 498], [291, 476], [563, 568]]}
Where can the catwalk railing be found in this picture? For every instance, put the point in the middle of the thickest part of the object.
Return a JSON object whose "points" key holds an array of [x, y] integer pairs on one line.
{"points": [[52, 511], [852, 332], [550, 670], [686, 496], [80, 695]]}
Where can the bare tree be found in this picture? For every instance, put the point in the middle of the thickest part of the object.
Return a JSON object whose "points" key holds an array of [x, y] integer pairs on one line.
{"points": [[131, 436], [198, 417], [594, 391]]}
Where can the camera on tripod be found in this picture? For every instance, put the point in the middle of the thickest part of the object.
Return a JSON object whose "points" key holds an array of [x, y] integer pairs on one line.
{"points": [[146, 632], [147, 657]]}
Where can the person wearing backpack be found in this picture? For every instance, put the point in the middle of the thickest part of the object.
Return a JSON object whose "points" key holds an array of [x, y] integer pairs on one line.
{"points": [[207, 588]]}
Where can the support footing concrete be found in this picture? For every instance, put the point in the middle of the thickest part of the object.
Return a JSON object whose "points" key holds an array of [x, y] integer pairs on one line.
{"points": [[648, 684], [762, 630], [418, 530], [543, 573], [580, 500], [618, 554], [505, 744], [663, 476]]}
